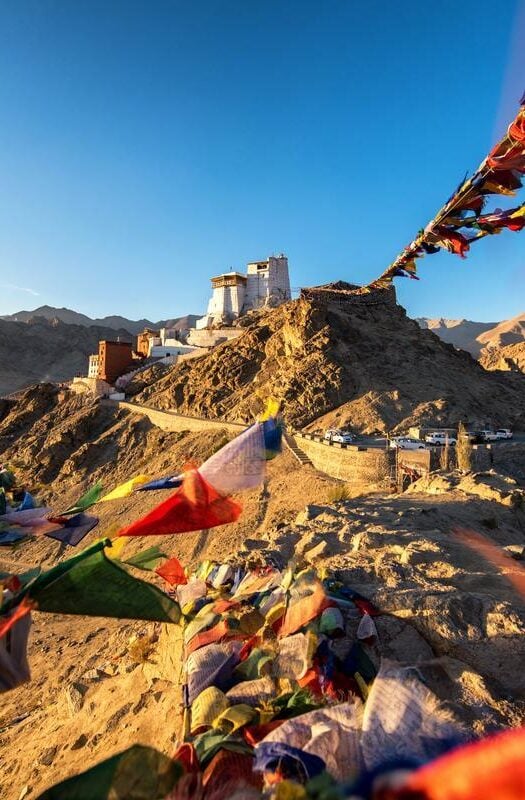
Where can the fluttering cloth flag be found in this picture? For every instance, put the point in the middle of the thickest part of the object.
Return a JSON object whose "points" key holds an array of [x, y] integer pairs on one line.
{"points": [[27, 518], [74, 529], [88, 499], [147, 560], [171, 482], [125, 489], [173, 572], [241, 464], [139, 772], [491, 768], [14, 667], [8, 537], [195, 506], [92, 584]]}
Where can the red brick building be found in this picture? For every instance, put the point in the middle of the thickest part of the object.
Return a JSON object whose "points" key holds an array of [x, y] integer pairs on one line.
{"points": [[114, 359]]}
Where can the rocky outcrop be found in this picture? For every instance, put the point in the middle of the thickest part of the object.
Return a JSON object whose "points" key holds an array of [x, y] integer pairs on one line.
{"points": [[511, 357]]}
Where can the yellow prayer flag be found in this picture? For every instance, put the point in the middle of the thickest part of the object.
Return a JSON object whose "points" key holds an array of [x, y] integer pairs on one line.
{"points": [[272, 409], [234, 717], [209, 705], [125, 489]]}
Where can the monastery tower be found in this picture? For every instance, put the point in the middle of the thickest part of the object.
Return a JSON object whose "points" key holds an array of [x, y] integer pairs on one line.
{"points": [[266, 283]]}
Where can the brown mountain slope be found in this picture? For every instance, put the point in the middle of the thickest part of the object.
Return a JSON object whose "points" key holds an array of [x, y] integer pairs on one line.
{"points": [[509, 357], [476, 337], [510, 331], [47, 350], [366, 359]]}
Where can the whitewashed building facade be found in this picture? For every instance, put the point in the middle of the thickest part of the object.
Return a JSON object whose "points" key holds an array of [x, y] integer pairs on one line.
{"points": [[233, 294]]}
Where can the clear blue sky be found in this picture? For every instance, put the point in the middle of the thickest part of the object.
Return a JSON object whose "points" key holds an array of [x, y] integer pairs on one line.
{"points": [[145, 146]]}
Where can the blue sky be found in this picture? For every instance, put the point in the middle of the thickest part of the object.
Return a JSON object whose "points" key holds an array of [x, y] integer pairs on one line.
{"points": [[145, 146]]}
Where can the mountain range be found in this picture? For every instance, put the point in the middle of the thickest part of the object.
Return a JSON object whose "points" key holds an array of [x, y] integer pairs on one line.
{"points": [[477, 337], [51, 343], [114, 322]]}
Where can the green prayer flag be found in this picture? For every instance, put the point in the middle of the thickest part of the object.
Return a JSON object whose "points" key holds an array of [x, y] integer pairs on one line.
{"points": [[139, 773], [148, 559], [88, 499], [92, 584]]}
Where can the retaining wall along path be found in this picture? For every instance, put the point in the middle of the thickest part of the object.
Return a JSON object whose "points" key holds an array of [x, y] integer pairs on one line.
{"points": [[362, 467], [171, 421]]}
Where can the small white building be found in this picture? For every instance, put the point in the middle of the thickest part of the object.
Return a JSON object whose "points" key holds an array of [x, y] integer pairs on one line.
{"points": [[233, 294], [93, 366], [169, 347]]}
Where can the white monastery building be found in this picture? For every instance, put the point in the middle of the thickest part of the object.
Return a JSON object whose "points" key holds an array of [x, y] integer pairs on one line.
{"points": [[265, 283]]}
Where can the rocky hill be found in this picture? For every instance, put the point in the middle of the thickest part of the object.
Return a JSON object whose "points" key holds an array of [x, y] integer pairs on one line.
{"points": [[476, 337], [356, 363], [47, 350], [99, 685], [508, 357], [115, 322]]}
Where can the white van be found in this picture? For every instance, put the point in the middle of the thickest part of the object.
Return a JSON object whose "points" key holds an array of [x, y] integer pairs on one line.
{"points": [[440, 438]]}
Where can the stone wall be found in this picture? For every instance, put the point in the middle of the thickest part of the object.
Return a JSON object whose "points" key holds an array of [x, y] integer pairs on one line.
{"points": [[171, 421], [362, 467], [212, 337]]}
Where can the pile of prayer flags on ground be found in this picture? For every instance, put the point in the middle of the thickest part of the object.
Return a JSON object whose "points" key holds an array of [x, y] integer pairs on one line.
{"points": [[460, 222], [276, 708], [271, 698]]}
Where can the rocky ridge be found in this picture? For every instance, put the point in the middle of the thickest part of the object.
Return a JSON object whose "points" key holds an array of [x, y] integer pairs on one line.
{"points": [[367, 366]]}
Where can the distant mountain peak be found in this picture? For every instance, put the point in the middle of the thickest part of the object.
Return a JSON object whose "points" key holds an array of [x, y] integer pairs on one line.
{"points": [[71, 317]]}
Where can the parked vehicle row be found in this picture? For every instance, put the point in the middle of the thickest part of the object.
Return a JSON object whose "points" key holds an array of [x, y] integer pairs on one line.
{"points": [[436, 438]]}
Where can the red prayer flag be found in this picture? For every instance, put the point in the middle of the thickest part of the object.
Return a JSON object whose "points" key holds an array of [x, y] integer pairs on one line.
{"points": [[493, 768], [172, 571], [6, 623], [195, 506]]}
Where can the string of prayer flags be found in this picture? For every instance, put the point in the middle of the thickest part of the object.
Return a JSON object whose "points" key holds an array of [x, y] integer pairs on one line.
{"points": [[501, 173], [195, 506], [73, 529], [125, 489], [139, 772], [91, 584], [88, 499]]}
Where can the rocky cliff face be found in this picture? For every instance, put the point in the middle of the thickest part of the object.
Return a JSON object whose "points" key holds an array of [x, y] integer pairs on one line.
{"points": [[352, 363]]}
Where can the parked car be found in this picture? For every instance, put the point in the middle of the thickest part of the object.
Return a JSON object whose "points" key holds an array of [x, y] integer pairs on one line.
{"points": [[342, 437], [406, 443], [440, 438], [503, 433], [489, 436]]}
